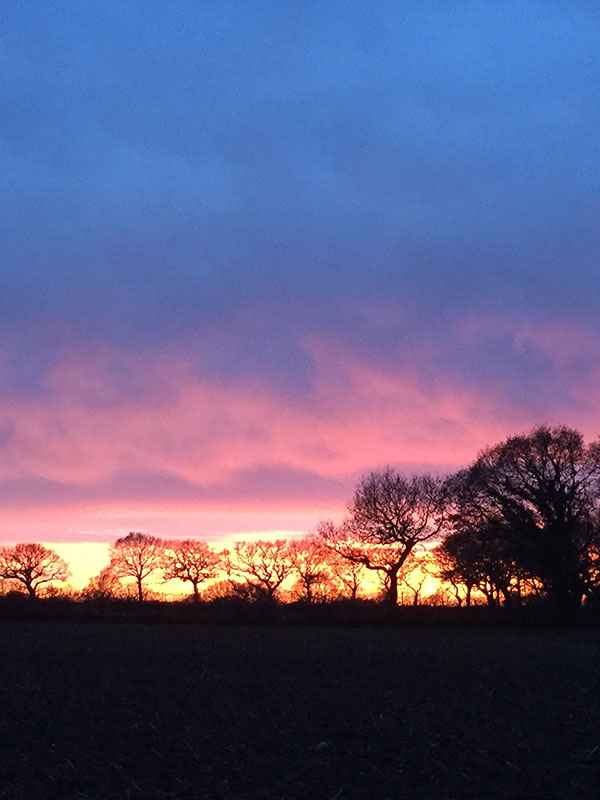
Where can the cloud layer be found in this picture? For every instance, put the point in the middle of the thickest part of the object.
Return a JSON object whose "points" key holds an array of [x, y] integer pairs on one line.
{"points": [[249, 255], [120, 430]]}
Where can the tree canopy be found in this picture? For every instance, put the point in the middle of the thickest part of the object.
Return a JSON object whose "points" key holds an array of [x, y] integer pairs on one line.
{"points": [[390, 515], [32, 565], [541, 491], [190, 561], [137, 556]]}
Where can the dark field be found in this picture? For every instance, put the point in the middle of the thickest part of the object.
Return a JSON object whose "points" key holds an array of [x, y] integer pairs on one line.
{"points": [[108, 711]]}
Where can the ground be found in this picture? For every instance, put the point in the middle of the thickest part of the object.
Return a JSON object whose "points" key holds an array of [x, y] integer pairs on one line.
{"points": [[132, 711]]}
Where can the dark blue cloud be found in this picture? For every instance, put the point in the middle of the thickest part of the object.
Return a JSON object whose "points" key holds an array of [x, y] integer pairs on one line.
{"points": [[233, 178]]}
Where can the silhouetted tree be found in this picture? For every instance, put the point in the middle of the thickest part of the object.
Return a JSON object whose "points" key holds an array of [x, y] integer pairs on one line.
{"points": [[540, 490], [311, 561], [350, 576], [414, 578], [457, 565], [347, 568], [389, 516], [104, 586], [264, 564], [482, 558], [32, 565], [190, 561], [137, 556], [591, 564], [237, 590]]}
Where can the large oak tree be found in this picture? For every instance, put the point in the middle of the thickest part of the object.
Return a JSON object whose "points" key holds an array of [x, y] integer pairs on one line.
{"points": [[264, 565], [32, 565], [542, 491], [137, 556], [390, 516], [190, 561]]}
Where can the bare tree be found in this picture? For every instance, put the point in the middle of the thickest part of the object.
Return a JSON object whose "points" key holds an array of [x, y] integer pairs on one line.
{"points": [[190, 561], [350, 576], [389, 516], [264, 564], [104, 586], [32, 565], [311, 561], [415, 576], [347, 566], [460, 577], [137, 556]]}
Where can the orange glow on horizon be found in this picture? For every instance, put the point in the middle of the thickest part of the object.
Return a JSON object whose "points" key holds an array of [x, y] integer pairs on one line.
{"points": [[86, 559]]}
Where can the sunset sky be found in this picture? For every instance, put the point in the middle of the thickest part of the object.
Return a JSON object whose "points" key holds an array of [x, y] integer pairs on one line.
{"points": [[253, 250]]}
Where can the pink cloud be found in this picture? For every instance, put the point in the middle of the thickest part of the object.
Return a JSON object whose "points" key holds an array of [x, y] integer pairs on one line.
{"points": [[116, 443], [168, 421]]}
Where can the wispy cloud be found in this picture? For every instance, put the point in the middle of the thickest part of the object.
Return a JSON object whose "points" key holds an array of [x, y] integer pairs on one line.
{"points": [[166, 420]]}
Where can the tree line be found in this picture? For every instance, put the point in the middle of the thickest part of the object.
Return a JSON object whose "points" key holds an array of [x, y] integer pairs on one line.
{"points": [[250, 571], [521, 524]]}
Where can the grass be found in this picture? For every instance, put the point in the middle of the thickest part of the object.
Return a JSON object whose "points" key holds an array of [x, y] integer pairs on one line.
{"points": [[132, 711]]}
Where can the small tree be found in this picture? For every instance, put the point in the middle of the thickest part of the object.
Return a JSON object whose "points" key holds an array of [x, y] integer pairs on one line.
{"points": [[348, 569], [104, 586], [264, 564], [190, 561], [416, 575], [460, 577], [311, 561], [350, 576], [136, 555], [32, 565]]}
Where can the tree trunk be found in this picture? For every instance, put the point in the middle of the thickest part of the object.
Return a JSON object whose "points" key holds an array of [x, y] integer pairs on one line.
{"points": [[392, 592], [508, 597], [519, 595], [140, 589]]}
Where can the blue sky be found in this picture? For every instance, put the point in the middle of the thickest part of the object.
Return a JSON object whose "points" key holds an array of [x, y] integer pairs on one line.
{"points": [[256, 236]]}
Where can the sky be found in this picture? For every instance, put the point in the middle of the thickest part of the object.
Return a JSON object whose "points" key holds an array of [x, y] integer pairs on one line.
{"points": [[251, 251]]}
